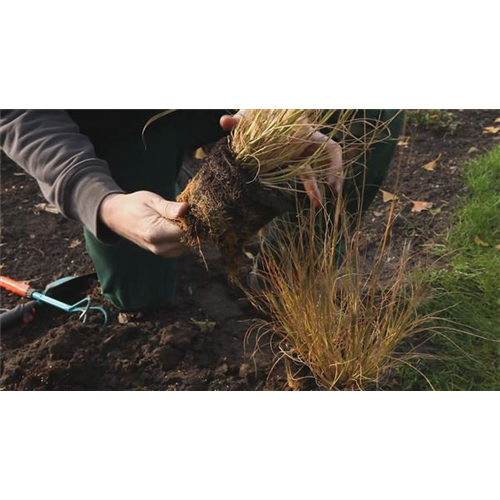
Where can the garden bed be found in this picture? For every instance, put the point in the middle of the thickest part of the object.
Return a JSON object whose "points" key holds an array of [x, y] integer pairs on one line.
{"points": [[199, 343]]}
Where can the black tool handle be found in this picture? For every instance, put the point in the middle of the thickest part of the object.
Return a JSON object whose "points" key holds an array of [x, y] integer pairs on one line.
{"points": [[23, 313]]}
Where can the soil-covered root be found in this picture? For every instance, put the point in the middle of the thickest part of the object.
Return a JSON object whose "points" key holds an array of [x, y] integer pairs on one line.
{"points": [[228, 205]]}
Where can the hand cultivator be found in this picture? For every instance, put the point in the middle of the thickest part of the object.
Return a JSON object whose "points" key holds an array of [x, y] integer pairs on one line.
{"points": [[52, 296]]}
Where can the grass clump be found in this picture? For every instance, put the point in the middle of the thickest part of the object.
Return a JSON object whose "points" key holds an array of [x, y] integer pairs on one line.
{"points": [[342, 321]]}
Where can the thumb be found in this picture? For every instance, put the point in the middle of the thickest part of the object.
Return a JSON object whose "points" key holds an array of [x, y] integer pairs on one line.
{"points": [[228, 122], [170, 209]]}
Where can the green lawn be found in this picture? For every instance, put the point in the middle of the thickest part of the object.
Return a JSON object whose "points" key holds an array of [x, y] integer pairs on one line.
{"points": [[468, 291]]}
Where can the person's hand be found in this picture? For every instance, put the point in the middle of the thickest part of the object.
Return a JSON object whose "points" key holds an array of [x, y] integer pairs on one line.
{"points": [[334, 150], [145, 219]]}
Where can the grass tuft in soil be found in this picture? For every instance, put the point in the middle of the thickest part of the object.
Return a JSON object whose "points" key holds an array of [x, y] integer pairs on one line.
{"points": [[330, 312]]}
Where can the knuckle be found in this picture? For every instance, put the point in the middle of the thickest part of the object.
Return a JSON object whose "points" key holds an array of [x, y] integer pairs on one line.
{"points": [[140, 195], [152, 237]]}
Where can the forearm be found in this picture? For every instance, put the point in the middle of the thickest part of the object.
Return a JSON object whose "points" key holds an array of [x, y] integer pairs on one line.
{"points": [[48, 145]]}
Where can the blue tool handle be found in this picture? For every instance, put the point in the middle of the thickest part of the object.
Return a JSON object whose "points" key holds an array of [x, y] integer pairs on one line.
{"points": [[23, 313], [41, 297]]}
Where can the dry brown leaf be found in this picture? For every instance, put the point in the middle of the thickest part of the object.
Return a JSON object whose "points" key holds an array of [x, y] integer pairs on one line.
{"points": [[52, 210], [74, 243], [431, 166], [46, 207], [497, 120], [388, 197], [473, 150], [404, 142], [200, 154], [123, 318], [421, 206], [479, 242], [491, 130], [497, 247], [250, 256]]}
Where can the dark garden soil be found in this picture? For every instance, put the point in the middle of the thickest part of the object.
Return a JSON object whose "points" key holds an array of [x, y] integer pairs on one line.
{"points": [[199, 343]]}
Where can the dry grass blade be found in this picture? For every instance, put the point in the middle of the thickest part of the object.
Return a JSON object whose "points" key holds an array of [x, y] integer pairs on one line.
{"points": [[152, 120]]}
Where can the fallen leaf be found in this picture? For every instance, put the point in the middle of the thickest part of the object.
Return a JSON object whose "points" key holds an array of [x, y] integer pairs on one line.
{"points": [[2, 266], [479, 242], [431, 166], [473, 150], [388, 197], [123, 318], [250, 256], [404, 142], [497, 120], [421, 206], [40, 207], [52, 210], [46, 207], [200, 154], [377, 214], [497, 248], [491, 130], [205, 326], [74, 243]]}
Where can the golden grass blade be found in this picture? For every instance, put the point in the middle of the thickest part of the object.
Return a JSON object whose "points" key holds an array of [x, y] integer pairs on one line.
{"points": [[152, 120]]}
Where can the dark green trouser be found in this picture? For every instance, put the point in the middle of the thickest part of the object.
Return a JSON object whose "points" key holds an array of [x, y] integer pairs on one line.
{"points": [[134, 279]]}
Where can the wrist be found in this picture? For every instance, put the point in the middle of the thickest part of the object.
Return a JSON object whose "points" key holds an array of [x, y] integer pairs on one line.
{"points": [[109, 208]]}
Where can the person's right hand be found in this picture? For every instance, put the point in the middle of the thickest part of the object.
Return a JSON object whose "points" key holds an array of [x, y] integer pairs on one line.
{"points": [[146, 219], [318, 140]]}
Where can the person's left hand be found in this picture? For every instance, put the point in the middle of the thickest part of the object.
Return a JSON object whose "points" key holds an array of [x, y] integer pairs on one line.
{"points": [[334, 150], [147, 220]]}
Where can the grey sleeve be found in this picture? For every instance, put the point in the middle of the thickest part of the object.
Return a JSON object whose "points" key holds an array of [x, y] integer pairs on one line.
{"points": [[48, 145]]}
